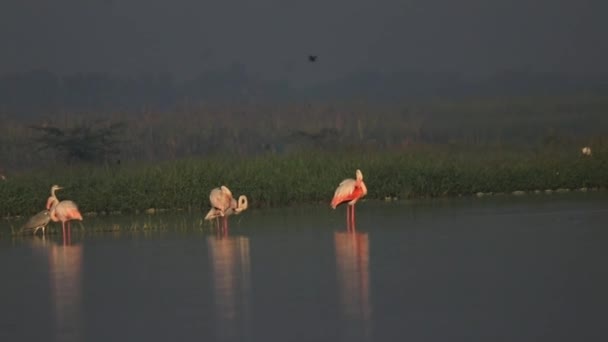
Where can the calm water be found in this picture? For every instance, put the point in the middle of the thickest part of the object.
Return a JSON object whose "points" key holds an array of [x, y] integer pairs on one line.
{"points": [[494, 269]]}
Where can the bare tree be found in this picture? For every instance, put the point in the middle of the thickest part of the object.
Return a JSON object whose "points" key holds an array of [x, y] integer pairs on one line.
{"points": [[86, 142]]}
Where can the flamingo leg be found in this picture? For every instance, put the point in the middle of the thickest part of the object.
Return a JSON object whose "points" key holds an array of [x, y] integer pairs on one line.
{"points": [[217, 226], [347, 216], [352, 220], [69, 232], [63, 231]]}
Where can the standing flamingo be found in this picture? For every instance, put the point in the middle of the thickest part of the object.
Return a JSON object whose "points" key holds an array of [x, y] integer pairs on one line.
{"points": [[224, 205], [350, 190], [63, 211]]}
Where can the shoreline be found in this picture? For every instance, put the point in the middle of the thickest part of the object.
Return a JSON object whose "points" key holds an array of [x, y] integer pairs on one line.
{"points": [[160, 220], [479, 195], [310, 177]]}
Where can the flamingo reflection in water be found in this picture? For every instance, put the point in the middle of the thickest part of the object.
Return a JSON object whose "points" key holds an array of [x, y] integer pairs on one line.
{"points": [[65, 283], [349, 191], [232, 285], [352, 262], [224, 205]]}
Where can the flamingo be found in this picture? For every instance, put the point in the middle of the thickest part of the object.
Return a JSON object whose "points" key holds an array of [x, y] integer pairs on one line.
{"points": [[349, 191], [63, 211], [235, 208], [224, 205]]}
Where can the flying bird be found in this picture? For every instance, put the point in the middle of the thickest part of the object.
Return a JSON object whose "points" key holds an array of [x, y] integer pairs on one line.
{"points": [[312, 58], [350, 191], [38, 221], [63, 211]]}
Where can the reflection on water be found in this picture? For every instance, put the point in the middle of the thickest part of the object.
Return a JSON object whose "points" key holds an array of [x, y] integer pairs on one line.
{"points": [[352, 261], [65, 268], [232, 285], [471, 271]]}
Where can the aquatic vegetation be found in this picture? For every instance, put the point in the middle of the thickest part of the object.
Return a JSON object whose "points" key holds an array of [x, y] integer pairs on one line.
{"points": [[307, 177]]}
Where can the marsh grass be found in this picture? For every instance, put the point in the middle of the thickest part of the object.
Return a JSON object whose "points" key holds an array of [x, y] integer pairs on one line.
{"points": [[306, 177]]}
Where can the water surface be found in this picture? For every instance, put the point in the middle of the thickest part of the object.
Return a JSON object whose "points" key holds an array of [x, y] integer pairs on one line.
{"points": [[507, 268]]}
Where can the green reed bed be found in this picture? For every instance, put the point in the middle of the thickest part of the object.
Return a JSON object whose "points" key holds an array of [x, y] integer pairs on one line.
{"points": [[307, 177]]}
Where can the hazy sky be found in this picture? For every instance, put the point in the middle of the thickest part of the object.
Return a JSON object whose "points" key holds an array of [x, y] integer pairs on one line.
{"points": [[273, 38]]}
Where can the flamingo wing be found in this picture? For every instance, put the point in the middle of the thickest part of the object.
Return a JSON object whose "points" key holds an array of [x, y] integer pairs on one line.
{"points": [[67, 210], [219, 199], [343, 192]]}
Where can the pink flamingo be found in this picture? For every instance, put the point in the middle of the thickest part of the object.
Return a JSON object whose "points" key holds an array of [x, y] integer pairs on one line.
{"points": [[350, 190], [63, 211], [224, 205]]}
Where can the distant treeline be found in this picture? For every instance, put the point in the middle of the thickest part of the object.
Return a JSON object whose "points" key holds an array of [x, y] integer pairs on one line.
{"points": [[48, 119], [29, 93], [558, 122]]}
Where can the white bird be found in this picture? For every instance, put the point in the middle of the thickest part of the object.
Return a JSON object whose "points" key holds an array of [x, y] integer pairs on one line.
{"points": [[235, 208], [224, 205], [586, 151]]}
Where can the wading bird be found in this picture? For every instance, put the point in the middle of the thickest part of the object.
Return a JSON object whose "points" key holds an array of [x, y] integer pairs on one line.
{"points": [[38, 221], [63, 211], [586, 151], [349, 191], [224, 205]]}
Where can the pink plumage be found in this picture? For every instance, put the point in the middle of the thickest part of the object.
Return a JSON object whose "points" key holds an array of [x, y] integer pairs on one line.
{"points": [[350, 191], [64, 211]]}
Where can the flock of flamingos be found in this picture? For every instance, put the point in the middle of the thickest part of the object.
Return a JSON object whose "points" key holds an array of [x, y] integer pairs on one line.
{"points": [[223, 204]]}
